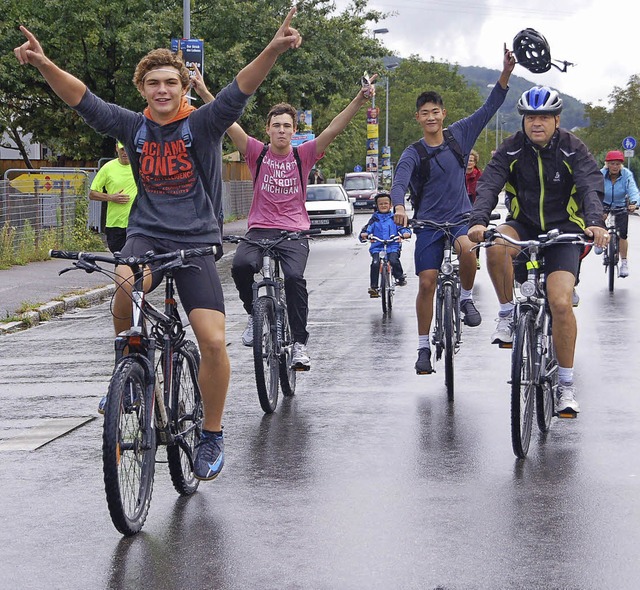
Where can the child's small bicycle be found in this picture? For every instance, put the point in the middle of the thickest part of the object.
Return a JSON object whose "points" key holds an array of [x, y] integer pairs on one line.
{"points": [[386, 284]]}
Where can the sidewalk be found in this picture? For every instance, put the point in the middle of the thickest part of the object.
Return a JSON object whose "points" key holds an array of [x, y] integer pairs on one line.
{"points": [[39, 287]]}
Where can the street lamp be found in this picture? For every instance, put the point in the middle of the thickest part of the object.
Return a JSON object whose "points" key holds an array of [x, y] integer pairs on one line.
{"points": [[389, 65], [377, 32]]}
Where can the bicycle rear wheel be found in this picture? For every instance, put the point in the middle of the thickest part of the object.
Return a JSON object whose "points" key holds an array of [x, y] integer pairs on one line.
{"points": [[186, 418], [448, 320], [522, 384], [128, 447], [265, 353], [287, 372], [546, 391], [384, 287], [612, 252]]}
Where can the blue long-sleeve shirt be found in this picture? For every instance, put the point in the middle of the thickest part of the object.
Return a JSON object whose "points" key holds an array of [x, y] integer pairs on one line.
{"points": [[444, 197], [383, 226], [615, 194]]}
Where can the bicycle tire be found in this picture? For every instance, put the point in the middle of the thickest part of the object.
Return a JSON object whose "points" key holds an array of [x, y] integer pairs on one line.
{"points": [[128, 447], [612, 252], [384, 284], [287, 372], [546, 390], [186, 418], [265, 353], [449, 339], [438, 336], [522, 384]]}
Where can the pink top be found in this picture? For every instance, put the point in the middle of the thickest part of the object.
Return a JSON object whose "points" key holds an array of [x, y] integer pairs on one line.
{"points": [[278, 196]]}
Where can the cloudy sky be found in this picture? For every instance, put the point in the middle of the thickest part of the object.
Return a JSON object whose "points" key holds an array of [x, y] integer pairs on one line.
{"points": [[597, 35]]}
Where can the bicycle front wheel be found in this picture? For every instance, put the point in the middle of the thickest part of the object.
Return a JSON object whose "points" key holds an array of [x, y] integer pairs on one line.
{"points": [[546, 390], [265, 353], [612, 252], [448, 320], [287, 372], [522, 384], [186, 418], [384, 287], [128, 447]]}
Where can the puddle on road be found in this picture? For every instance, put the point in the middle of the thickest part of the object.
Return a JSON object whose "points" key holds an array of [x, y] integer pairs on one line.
{"points": [[30, 439]]}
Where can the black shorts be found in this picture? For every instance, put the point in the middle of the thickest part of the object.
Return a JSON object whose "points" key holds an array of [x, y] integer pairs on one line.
{"points": [[199, 288], [559, 257], [116, 238]]}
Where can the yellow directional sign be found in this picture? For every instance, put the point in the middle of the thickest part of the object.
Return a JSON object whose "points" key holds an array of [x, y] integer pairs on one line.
{"points": [[48, 182]]}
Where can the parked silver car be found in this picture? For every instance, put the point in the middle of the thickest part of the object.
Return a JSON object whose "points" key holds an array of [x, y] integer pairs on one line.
{"points": [[329, 207]]}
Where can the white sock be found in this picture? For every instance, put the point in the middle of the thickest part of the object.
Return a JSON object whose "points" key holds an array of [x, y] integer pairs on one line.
{"points": [[506, 309], [565, 375], [466, 294], [423, 342]]}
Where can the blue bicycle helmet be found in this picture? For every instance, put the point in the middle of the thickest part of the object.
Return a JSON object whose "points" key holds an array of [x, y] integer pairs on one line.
{"points": [[540, 100]]}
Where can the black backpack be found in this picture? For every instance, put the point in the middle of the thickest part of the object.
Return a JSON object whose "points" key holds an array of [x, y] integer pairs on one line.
{"points": [[422, 174], [263, 153]]}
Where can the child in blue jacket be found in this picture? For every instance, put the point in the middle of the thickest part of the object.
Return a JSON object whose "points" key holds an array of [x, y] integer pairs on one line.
{"points": [[383, 226]]}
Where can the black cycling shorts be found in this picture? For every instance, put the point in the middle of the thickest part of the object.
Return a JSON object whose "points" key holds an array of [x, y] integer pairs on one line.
{"points": [[198, 288], [558, 257]]}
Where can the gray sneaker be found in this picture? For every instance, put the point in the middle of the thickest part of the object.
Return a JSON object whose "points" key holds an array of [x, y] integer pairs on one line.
{"points": [[575, 298], [503, 333], [624, 269], [247, 335], [209, 457], [300, 360], [566, 404]]}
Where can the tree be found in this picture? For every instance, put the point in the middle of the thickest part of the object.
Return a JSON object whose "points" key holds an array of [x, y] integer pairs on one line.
{"points": [[100, 42]]}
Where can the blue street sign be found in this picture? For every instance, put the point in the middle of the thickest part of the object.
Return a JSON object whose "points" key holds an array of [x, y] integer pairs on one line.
{"points": [[357, 168], [629, 143]]}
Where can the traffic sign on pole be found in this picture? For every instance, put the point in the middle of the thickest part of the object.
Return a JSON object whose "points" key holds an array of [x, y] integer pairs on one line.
{"points": [[629, 143]]}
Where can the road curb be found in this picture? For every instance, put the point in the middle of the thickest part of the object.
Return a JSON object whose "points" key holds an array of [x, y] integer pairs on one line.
{"points": [[54, 308]]}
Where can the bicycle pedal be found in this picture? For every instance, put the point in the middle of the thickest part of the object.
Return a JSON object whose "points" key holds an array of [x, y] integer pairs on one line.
{"points": [[505, 345], [567, 414], [301, 368]]}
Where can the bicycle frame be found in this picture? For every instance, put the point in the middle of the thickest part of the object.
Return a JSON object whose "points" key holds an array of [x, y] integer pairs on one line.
{"points": [[448, 274]]}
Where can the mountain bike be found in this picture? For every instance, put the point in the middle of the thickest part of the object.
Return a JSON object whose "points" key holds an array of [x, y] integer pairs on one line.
{"points": [[447, 330], [612, 253], [150, 401], [272, 338], [534, 366], [386, 283]]}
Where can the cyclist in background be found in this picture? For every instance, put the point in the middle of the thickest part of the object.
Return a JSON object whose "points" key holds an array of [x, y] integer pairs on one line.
{"points": [[442, 198], [620, 191], [179, 198], [382, 225], [473, 174], [280, 174], [570, 199]]}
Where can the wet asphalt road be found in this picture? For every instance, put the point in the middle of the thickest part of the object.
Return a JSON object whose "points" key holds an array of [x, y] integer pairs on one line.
{"points": [[367, 478]]}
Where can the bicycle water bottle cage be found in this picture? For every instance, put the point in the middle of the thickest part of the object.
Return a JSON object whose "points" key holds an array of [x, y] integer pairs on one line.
{"points": [[532, 52]]}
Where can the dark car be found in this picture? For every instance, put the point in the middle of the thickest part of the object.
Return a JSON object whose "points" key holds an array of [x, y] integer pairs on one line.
{"points": [[362, 187], [329, 207]]}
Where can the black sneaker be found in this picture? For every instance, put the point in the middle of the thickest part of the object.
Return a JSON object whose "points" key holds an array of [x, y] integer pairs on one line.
{"points": [[209, 457], [374, 292], [401, 282], [472, 316], [423, 364]]}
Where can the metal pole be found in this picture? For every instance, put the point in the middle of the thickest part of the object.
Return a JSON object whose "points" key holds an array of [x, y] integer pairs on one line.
{"points": [[186, 19], [386, 117]]}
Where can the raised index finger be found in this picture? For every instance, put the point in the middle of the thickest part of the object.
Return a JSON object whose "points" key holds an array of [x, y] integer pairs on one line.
{"points": [[287, 21], [28, 34]]}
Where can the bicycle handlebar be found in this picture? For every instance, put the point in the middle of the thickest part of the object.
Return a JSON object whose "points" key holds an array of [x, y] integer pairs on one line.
{"points": [[87, 260], [389, 240], [552, 237], [285, 235]]}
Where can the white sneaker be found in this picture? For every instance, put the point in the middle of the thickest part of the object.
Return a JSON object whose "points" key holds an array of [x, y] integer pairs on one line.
{"points": [[247, 335], [504, 330], [566, 403], [575, 298], [300, 357], [624, 269]]}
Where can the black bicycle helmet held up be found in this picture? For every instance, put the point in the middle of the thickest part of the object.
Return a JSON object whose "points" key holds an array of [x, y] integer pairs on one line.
{"points": [[540, 100], [532, 51]]}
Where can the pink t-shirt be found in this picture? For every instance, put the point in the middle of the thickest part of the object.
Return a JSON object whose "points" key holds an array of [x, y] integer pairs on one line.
{"points": [[278, 196]]}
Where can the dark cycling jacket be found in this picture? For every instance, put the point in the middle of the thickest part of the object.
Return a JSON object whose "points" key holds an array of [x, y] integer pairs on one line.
{"points": [[558, 186]]}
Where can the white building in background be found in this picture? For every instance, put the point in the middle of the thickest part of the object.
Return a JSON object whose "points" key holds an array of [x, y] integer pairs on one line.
{"points": [[36, 151]]}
